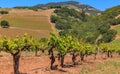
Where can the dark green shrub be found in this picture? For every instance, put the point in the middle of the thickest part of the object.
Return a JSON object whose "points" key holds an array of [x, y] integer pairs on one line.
{"points": [[4, 24], [3, 12]]}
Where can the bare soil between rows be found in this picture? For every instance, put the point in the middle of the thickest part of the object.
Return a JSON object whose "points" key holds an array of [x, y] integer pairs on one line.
{"points": [[41, 64]]}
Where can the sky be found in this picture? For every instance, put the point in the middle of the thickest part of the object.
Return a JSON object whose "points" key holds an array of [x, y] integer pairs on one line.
{"points": [[99, 4]]}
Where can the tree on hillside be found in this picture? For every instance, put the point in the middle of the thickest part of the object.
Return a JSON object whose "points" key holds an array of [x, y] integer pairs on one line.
{"points": [[109, 36], [5, 24], [83, 15], [3, 12]]}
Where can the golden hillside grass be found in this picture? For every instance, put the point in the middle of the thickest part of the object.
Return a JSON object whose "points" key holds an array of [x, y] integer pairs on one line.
{"points": [[27, 21], [13, 32]]}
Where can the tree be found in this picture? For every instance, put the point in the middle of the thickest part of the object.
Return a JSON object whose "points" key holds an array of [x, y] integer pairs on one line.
{"points": [[60, 44], [75, 50], [64, 32], [118, 50], [109, 36], [103, 28], [85, 49], [39, 45], [108, 49], [36, 46], [83, 15], [115, 21], [3, 12], [14, 47], [4, 24], [54, 18], [52, 42], [66, 44], [63, 47]]}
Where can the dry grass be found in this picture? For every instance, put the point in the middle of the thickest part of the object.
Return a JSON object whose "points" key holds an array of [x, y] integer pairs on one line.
{"points": [[13, 32], [27, 21], [5, 9], [108, 67]]}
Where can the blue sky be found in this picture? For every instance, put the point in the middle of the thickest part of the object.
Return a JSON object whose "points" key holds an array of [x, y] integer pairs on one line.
{"points": [[99, 4]]}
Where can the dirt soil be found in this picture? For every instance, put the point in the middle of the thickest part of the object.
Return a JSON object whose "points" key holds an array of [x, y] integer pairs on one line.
{"points": [[40, 65]]}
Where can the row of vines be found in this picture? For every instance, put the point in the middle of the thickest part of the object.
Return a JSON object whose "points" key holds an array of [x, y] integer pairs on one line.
{"points": [[55, 45]]}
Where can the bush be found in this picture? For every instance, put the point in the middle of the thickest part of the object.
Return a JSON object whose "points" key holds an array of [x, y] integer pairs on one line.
{"points": [[109, 36], [103, 28], [54, 18], [3, 12], [4, 24], [62, 25], [115, 21]]}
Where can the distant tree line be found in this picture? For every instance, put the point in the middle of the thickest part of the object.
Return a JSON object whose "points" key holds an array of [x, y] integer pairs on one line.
{"points": [[35, 8], [26, 7]]}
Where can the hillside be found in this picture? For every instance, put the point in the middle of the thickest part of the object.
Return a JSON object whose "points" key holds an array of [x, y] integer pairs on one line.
{"points": [[27, 21], [111, 15], [111, 12], [117, 28], [39, 21], [69, 4]]}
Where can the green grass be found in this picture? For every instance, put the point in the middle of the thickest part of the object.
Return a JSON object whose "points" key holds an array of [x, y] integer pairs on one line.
{"points": [[117, 29], [116, 42], [108, 67]]}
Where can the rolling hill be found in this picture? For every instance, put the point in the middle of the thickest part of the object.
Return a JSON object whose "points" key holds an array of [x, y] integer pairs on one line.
{"points": [[37, 23], [114, 13], [69, 4], [23, 21]]}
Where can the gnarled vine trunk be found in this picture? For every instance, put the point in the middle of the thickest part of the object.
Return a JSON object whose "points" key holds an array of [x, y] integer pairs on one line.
{"points": [[62, 60], [82, 57], [118, 53], [108, 54], [58, 56], [43, 50], [51, 50], [95, 54], [52, 57], [16, 58], [27, 49], [74, 58], [111, 54], [52, 61], [36, 51]]}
